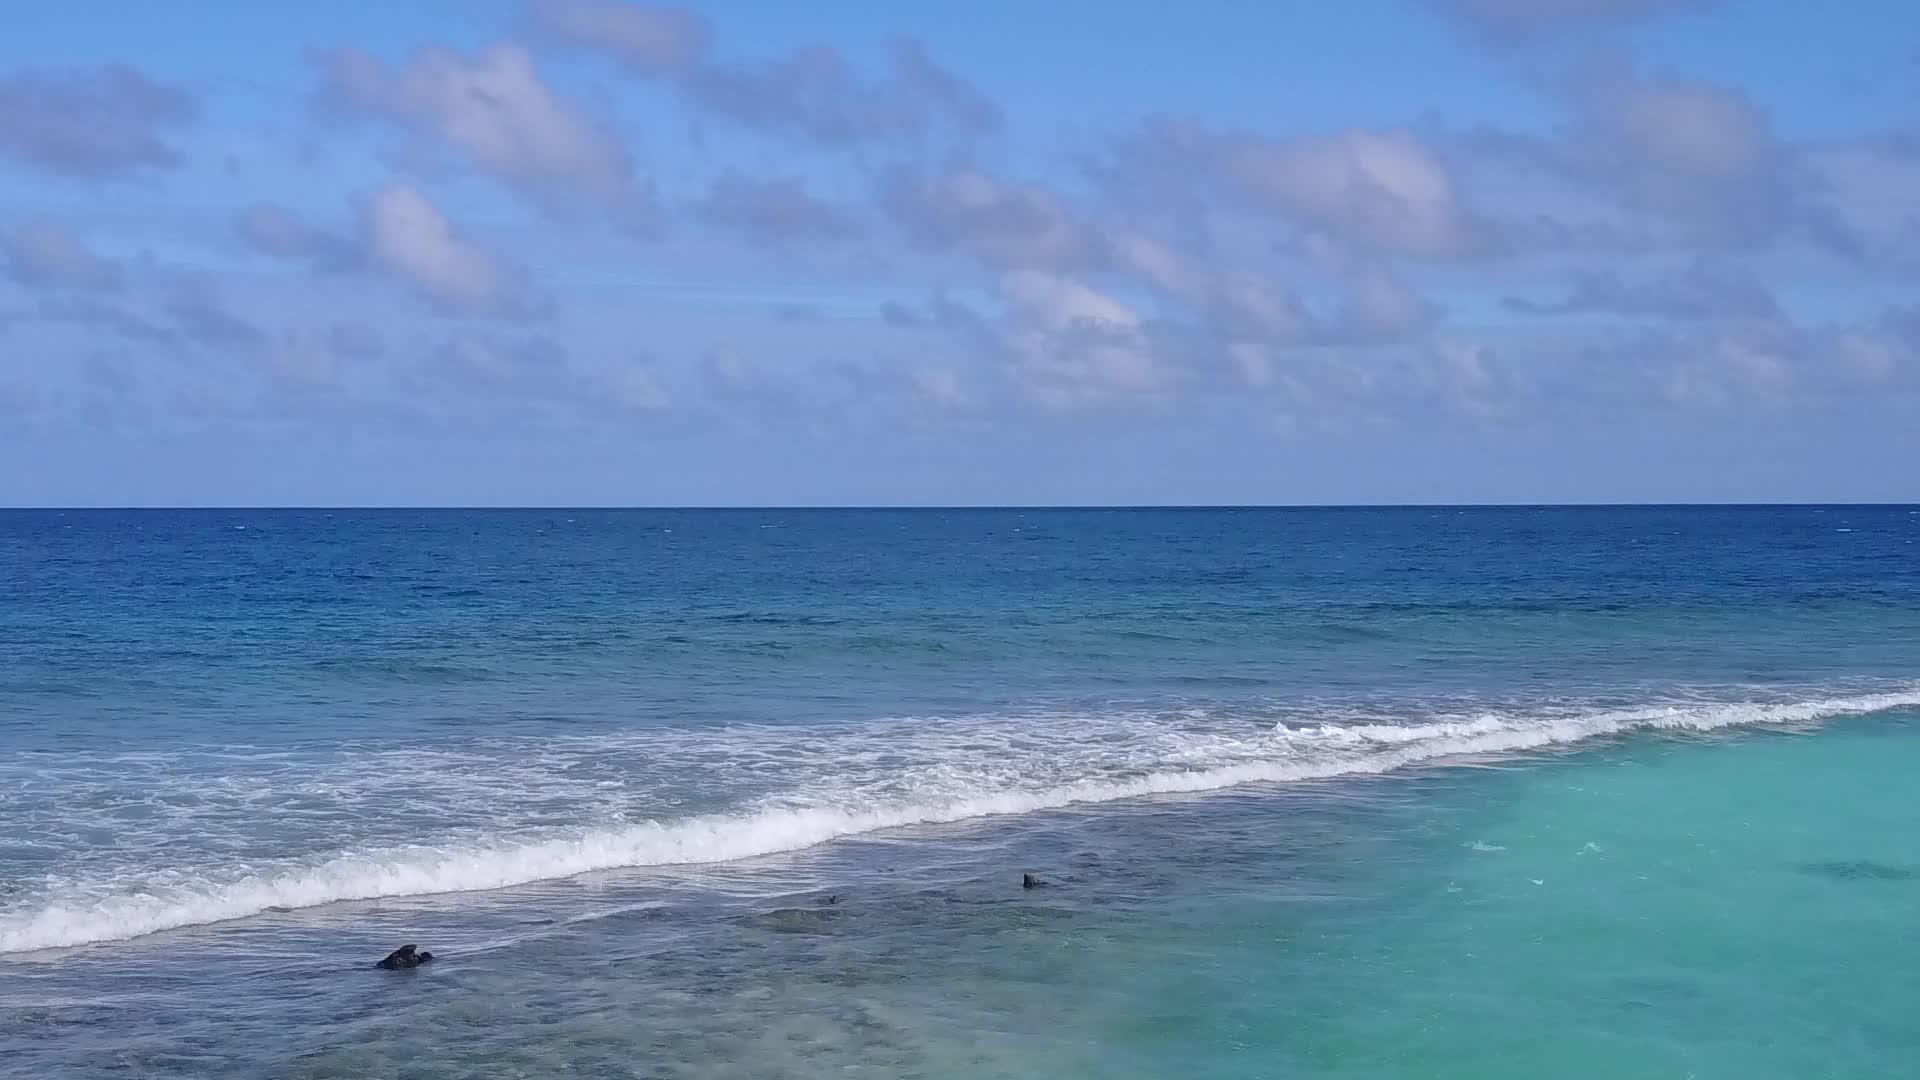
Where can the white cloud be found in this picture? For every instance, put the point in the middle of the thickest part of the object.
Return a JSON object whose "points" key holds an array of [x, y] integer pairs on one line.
{"points": [[999, 223], [305, 360], [940, 386], [1253, 362], [1071, 343], [1236, 303], [730, 372], [1379, 306], [494, 108], [815, 94], [94, 124], [526, 367], [1383, 191], [1691, 128], [772, 211], [638, 388], [1060, 303], [406, 234], [274, 230], [1701, 156], [648, 40], [1165, 268], [46, 255], [1872, 358]]}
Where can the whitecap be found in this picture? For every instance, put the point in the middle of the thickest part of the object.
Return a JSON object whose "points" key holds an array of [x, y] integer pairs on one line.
{"points": [[115, 908]]}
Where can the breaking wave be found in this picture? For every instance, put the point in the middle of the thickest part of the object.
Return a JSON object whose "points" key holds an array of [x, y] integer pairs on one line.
{"points": [[1028, 773]]}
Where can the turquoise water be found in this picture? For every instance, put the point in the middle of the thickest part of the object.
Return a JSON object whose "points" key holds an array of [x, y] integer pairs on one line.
{"points": [[1719, 909], [1314, 793]]}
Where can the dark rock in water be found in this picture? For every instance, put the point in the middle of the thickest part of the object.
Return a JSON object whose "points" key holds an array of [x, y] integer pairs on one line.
{"points": [[1861, 870], [1028, 881], [405, 956]]}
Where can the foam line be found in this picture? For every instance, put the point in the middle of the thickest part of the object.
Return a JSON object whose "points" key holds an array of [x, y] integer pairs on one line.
{"points": [[111, 911]]}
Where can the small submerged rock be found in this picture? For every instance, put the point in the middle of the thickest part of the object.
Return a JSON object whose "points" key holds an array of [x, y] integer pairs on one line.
{"points": [[795, 920], [1860, 870], [1028, 881], [406, 956]]}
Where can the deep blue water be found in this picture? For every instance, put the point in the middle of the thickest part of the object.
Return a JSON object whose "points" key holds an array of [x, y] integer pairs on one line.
{"points": [[273, 742]]}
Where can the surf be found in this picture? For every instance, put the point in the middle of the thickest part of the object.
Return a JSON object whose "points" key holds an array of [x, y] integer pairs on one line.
{"points": [[108, 909]]}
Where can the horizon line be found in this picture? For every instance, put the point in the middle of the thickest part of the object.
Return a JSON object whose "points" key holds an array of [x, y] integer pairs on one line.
{"points": [[842, 507]]}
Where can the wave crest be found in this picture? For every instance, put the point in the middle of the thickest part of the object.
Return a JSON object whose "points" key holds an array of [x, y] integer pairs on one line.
{"points": [[117, 910]]}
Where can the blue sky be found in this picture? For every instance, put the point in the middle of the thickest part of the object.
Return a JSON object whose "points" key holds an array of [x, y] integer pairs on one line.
{"points": [[597, 252]]}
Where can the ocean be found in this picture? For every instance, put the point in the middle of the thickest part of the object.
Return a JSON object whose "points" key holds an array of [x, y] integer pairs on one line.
{"points": [[1333, 793]]}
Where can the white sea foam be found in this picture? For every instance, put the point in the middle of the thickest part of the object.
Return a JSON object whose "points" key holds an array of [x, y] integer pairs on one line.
{"points": [[115, 907]]}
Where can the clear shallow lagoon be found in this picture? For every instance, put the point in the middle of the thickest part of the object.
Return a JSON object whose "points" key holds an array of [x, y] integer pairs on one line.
{"points": [[1327, 793]]}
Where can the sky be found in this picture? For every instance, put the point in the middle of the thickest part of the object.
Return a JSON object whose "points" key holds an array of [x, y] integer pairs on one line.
{"points": [[594, 252]]}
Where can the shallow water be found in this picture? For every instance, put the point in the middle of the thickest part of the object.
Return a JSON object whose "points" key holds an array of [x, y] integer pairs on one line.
{"points": [[1389, 793]]}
